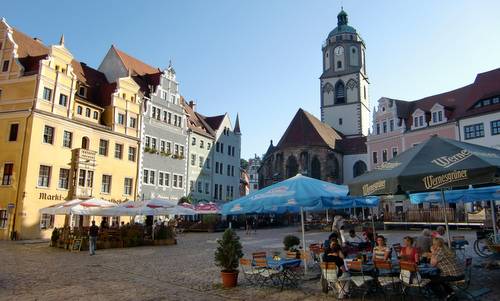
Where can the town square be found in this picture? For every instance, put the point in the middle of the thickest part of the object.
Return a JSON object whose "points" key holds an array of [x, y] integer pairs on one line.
{"points": [[242, 150]]}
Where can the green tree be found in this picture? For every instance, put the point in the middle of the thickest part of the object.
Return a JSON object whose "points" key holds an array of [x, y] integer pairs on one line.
{"points": [[244, 164]]}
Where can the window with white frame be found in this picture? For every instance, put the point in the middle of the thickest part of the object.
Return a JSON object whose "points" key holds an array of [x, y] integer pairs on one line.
{"points": [[495, 127], [106, 184], [201, 162], [175, 182], [127, 186], [131, 153], [394, 152], [474, 131], [8, 171], [44, 176], [4, 218], [193, 159], [147, 143], [132, 122], [47, 93], [149, 177], [207, 188], [191, 186], [200, 187], [153, 143], [391, 125], [162, 146], [46, 221], [161, 178], [63, 178], [48, 135]]}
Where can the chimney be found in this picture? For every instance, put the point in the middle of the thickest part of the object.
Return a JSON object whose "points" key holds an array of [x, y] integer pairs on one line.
{"points": [[38, 40], [192, 105]]}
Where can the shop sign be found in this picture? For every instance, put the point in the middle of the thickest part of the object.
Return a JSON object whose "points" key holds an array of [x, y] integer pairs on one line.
{"points": [[50, 197]]}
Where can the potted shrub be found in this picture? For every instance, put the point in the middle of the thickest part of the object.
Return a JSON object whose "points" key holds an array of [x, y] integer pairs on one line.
{"points": [[227, 256], [292, 243]]}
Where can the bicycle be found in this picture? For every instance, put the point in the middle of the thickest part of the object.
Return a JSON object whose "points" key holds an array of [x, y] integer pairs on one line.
{"points": [[485, 246]]}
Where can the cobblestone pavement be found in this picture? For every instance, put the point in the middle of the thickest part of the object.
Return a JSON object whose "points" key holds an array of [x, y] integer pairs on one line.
{"points": [[34, 271]]}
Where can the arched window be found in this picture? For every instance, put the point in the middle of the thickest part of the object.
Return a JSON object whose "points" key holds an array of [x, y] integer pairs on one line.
{"points": [[339, 93], [85, 143], [359, 168], [316, 168], [292, 167], [332, 168], [339, 64]]}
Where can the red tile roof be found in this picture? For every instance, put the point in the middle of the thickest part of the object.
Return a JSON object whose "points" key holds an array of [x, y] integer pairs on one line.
{"points": [[353, 145], [29, 51], [95, 81], [135, 65], [307, 130], [459, 102], [214, 121], [196, 121]]}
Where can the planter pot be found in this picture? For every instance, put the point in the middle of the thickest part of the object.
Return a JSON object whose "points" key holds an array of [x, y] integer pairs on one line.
{"points": [[229, 279]]}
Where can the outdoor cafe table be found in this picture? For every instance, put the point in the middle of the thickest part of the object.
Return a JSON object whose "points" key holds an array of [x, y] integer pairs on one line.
{"points": [[285, 267]]}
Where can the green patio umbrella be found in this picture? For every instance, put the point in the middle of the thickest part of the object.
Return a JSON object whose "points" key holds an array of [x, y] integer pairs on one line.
{"points": [[436, 164]]}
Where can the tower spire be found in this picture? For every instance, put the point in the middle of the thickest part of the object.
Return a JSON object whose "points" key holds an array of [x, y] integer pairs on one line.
{"points": [[237, 125], [61, 40], [342, 17]]}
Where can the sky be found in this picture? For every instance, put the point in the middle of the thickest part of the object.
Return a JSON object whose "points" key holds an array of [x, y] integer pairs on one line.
{"points": [[262, 59]]}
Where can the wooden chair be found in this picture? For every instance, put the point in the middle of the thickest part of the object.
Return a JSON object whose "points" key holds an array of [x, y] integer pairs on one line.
{"points": [[248, 270], [265, 273], [331, 281], [410, 278], [387, 278], [362, 283], [462, 286], [458, 246], [261, 254]]}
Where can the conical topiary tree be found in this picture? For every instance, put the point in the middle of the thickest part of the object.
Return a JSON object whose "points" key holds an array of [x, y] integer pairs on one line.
{"points": [[228, 252]]}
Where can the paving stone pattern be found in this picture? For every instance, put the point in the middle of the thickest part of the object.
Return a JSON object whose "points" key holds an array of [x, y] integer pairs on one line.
{"points": [[34, 271]]}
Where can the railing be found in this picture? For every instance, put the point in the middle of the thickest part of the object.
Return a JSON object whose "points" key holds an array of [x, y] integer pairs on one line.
{"points": [[84, 156], [83, 192], [425, 215]]}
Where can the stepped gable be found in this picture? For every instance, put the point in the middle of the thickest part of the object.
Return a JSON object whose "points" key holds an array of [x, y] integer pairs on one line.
{"points": [[307, 130]]}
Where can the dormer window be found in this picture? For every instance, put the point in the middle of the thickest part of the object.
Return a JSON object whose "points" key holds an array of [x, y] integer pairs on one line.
{"points": [[418, 119], [82, 91], [437, 114]]}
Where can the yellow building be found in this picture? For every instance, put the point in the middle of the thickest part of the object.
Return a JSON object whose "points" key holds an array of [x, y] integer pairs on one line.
{"points": [[65, 133]]}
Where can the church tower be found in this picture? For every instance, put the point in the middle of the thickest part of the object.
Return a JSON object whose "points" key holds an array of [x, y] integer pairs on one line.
{"points": [[344, 82]]}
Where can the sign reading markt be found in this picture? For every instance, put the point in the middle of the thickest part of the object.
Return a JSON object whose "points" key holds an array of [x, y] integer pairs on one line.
{"points": [[50, 197]]}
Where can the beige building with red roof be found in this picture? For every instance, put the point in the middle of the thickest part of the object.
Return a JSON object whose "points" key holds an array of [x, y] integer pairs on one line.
{"points": [[66, 133]]}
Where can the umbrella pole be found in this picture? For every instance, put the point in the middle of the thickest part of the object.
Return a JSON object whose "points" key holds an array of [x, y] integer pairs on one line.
{"points": [[303, 239], [446, 218], [327, 216], [495, 231], [373, 223]]}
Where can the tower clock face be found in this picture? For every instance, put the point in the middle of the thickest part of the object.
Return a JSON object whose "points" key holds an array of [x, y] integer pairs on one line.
{"points": [[339, 50]]}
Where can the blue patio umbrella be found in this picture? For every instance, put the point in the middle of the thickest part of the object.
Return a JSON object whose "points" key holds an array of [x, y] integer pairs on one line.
{"points": [[295, 195], [491, 193]]}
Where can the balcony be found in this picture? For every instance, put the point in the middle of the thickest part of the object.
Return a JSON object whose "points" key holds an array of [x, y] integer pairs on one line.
{"points": [[84, 157], [83, 192]]}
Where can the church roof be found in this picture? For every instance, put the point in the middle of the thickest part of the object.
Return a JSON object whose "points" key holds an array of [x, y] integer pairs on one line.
{"points": [[307, 130], [342, 26]]}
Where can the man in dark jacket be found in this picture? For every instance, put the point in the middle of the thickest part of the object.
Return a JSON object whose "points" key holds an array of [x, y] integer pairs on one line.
{"points": [[93, 232]]}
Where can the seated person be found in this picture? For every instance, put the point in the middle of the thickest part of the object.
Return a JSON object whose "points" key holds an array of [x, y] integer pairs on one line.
{"points": [[449, 269], [381, 252], [333, 236], [409, 252], [353, 238], [334, 254], [440, 231], [424, 243]]}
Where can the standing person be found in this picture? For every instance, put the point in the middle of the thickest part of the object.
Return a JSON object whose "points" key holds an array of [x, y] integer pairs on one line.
{"points": [[338, 226], [248, 225], [93, 232], [254, 224]]}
